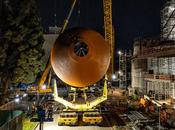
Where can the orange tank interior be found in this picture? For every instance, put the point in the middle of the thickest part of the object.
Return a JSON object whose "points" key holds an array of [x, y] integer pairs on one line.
{"points": [[80, 57]]}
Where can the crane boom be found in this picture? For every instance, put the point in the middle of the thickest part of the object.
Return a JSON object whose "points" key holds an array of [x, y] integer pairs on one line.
{"points": [[43, 79], [108, 28], [48, 66]]}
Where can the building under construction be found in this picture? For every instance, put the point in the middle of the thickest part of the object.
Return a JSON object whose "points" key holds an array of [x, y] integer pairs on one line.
{"points": [[124, 73], [167, 20], [153, 65], [153, 68]]}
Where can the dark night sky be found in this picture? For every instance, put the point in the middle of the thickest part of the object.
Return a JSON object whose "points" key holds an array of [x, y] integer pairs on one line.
{"points": [[131, 18]]}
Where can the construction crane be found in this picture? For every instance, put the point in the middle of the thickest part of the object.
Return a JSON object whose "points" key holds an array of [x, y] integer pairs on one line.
{"points": [[108, 28], [78, 64], [47, 70], [48, 66], [109, 33]]}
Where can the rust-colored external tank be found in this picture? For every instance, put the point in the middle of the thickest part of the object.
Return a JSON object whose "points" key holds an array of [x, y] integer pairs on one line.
{"points": [[80, 57]]}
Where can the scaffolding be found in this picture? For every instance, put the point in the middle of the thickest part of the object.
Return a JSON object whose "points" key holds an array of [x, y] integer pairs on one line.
{"points": [[159, 82], [160, 89], [168, 20], [162, 65], [125, 69]]}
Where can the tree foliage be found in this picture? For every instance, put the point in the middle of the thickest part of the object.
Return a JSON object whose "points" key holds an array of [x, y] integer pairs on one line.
{"points": [[22, 39]]}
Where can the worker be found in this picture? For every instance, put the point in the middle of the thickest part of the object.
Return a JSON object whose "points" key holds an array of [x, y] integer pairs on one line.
{"points": [[33, 110], [50, 112], [41, 113]]}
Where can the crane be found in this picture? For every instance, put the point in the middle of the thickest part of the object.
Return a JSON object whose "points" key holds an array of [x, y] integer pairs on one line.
{"points": [[47, 70], [108, 29], [74, 69]]}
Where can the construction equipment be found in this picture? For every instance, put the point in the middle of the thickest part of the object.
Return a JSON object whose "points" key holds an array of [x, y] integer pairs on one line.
{"points": [[92, 117], [80, 57], [69, 118], [109, 33], [76, 58], [88, 105], [42, 88]]}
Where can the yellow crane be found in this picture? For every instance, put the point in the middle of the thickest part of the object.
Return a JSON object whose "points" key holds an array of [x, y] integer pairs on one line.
{"points": [[47, 89], [109, 33]]}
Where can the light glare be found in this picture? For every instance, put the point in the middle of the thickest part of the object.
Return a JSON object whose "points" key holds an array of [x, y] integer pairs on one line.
{"points": [[44, 87], [114, 76], [17, 100]]}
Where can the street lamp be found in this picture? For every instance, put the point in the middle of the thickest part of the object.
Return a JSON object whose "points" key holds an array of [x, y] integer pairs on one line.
{"points": [[119, 72], [119, 52], [17, 100], [114, 76]]}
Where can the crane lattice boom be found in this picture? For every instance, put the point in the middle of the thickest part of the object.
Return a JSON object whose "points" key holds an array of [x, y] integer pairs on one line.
{"points": [[107, 6]]}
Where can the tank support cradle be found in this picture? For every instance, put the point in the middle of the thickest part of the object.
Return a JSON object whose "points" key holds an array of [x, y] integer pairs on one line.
{"points": [[81, 107]]}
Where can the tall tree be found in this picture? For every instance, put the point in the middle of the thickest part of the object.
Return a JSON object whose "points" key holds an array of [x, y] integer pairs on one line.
{"points": [[22, 39]]}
